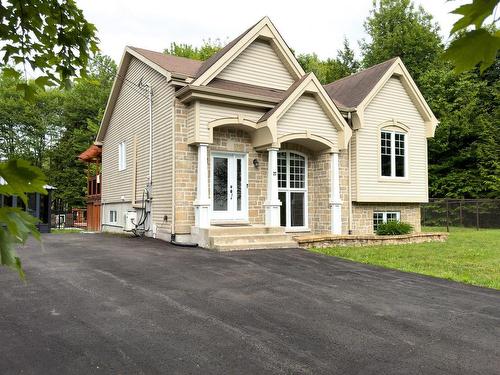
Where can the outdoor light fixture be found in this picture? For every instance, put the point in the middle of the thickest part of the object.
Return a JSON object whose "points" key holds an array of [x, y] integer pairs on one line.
{"points": [[255, 163]]}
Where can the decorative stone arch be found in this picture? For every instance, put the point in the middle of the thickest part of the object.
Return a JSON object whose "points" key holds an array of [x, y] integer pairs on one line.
{"points": [[260, 134], [311, 141]]}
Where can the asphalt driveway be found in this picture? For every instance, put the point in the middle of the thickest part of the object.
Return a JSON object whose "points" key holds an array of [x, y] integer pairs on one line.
{"points": [[101, 304]]}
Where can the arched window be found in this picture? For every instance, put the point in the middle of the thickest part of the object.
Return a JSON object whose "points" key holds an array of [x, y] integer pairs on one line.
{"points": [[393, 152]]}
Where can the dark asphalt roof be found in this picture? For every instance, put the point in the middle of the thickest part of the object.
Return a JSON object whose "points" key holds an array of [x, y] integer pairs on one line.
{"points": [[173, 64], [350, 91]]}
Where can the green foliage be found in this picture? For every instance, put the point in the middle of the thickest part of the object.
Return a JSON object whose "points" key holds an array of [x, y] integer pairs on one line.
{"points": [[478, 46], [392, 228], [330, 70], [82, 110], [396, 28], [52, 37], [207, 49], [464, 161], [57, 125], [16, 225]]}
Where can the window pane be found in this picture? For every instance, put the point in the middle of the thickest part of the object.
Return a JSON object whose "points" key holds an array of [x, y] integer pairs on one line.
{"points": [[297, 209], [385, 153], [392, 216], [386, 165], [297, 171], [282, 198], [400, 154], [378, 218], [400, 166], [282, 169], [220, 184]]}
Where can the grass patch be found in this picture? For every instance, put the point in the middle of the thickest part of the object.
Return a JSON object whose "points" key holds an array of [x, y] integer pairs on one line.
{"points": [[469, 256]]}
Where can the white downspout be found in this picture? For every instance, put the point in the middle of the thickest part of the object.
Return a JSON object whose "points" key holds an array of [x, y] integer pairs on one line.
{"points": [[150, 99], [349, 215]]}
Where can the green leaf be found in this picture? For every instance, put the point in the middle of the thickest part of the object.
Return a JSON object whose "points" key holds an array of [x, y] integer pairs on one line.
{"points": [[473, 48], [29, 91], [11, 73], [21, 178], [43, 81], [473, 14]]}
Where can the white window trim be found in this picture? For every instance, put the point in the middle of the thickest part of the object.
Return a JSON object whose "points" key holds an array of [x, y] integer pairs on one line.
{"points": [[288, 190], [384, 216], [393, 176], [122, 156], [115, 216]]}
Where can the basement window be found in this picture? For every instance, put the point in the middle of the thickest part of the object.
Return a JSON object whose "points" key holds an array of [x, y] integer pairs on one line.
{"points": [[381, 217]]}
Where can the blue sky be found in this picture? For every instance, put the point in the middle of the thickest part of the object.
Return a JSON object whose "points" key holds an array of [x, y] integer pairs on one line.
{"points": [[310, 26]]}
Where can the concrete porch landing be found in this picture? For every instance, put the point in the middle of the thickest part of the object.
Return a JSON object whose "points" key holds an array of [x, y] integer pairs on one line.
{"points": [[248, 237]]}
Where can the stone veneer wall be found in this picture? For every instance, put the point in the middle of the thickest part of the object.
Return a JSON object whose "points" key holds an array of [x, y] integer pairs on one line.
{"points": [[185, 173], [363, 215], [234, 140]]}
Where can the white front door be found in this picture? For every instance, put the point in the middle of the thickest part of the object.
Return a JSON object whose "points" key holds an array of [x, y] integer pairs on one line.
{"points": [[292, 190], [229, 187]]}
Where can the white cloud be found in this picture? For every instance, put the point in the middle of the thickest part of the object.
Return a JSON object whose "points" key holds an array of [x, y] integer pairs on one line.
{"points": [[313, 26]]}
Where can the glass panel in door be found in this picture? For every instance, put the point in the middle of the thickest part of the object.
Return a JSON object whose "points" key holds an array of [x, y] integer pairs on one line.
{"points": [[297, 209], [220, 176]]}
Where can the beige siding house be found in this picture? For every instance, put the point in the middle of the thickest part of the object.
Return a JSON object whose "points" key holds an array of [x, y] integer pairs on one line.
{"points": [[245, 149]]}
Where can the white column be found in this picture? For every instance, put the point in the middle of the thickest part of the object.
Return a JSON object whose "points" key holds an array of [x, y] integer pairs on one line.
{"points": [[272, 203], [202, 203], [335, 201]]}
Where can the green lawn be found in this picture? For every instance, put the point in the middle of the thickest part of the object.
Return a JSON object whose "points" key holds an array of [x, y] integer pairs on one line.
{"points": [[469, 256]]}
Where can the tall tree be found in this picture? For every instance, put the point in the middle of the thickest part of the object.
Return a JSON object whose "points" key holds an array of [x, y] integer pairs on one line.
{"points": [[331, 69], [207, 49], [56, 40], [82, 111], [397, 28]]}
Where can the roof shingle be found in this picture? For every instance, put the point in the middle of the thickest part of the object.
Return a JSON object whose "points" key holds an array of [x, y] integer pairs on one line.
{"points": [[173, 64], [349, 92]]}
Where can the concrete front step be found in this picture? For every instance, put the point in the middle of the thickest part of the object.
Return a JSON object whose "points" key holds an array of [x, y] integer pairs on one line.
{"points": [[243, 239], [247, 229], [256, 246]]}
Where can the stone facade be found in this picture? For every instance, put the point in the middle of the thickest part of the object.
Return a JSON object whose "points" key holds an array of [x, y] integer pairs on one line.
{"points": [[185, 173], [229, 139], [362, 214]]}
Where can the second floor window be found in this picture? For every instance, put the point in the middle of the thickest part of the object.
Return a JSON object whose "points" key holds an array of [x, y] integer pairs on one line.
{"points": [[392, 154], [122, 156]]}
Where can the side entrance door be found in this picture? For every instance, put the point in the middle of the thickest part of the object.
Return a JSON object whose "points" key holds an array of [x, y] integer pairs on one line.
{"points": [[229, 187]]}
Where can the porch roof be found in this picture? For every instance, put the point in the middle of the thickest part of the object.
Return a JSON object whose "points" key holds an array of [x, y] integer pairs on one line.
{"points": [[91, 154]]}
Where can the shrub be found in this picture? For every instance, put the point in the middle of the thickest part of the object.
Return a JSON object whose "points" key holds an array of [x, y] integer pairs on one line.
{"points": [[393, 228]]}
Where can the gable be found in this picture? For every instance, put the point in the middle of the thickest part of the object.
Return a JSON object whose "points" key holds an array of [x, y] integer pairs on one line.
{"points": [[393, 101], [258, 65], [307, 115]]}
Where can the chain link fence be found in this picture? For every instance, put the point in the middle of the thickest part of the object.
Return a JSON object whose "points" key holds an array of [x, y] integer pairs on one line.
{"points": [[468, 213]]}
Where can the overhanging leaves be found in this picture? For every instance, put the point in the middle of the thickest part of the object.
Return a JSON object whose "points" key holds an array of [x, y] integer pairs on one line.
{"points": [[473, 48], [473, 14], [21, 178]]}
